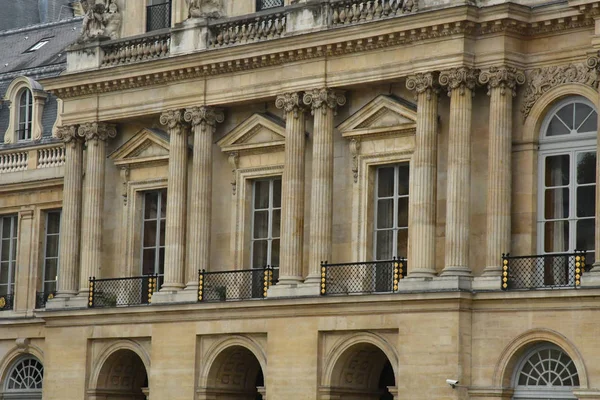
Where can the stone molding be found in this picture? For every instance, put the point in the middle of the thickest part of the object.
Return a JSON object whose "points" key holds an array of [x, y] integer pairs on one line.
{"points": [[541, 80], [427, 82], [460, 79], [290, 102], [203, 115], [323, 98], [97, 131], [505, 78], [174, 120], [67, 133]]}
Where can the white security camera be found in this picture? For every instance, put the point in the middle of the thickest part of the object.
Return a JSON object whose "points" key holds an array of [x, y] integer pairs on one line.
{"points": [[452, 383]]}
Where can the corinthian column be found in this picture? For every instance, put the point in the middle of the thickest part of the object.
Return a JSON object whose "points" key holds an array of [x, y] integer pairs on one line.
{"points": [[203, 120], [460, 83], [70, 223], [176, 201], [95, 134], [323, 103], [502, 83], [423, 177], [292, 190]]}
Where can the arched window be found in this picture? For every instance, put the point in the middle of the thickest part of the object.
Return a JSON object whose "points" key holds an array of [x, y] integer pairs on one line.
{"points": [[545, 372], [567, 178], [25, 115], [24, 381]]}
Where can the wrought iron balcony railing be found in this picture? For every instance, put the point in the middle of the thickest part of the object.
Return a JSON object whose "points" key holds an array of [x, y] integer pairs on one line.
{"points": [[362, 277], [235, 285], [7, 301], [41, 298], [117, 292], [546, 271]]}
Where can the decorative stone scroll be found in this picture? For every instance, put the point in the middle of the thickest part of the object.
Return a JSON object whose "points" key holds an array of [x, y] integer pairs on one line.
{"points": [[204, 115], [67, 133], [97, 130], [324, 98], [173, 119], [423, 83], [503, 78], [459, 79], [541, 80], [289, 102]]}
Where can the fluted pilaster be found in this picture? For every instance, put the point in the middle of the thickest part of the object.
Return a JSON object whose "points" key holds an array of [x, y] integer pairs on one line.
{"points": [[292, 206], [502, 83], [175, 229], [460, 83], [70, 223], [95, 134], [323, 103], [423, 177], [203, 120]]}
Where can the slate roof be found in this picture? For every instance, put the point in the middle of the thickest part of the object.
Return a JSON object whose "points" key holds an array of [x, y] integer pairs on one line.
{"points": [[48, 61]]}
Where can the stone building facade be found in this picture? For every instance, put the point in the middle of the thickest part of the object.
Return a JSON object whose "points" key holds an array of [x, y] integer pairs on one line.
{"points": [[312, 199]]}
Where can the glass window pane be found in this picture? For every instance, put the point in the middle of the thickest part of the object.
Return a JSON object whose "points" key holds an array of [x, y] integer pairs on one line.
{"points": [[385, 213], [385, 243], [261, 194], [50, 287], [402, 243], [582, 114], [149, 233], [163, 203], [162, 232], [557, 170], [590, 124], [53, 222], [556, 236], [275, 253], [403, 179], [277, 193], [403, 212], [4, 268], [586, 201], [259, 254], [149, 258], [51, 269], [566, 114], [14, 249], [151, 204], [52, 246], [276, 223], [6, 231], [556, 128], [556, 203], [385, 182], [5, 250], [586, 167], [161, 261], [585, 235], [261, 225]]}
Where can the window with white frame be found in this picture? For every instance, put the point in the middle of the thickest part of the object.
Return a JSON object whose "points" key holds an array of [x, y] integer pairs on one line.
{"points": [[266, 222], [153, 232], [391, 212], [545, 372], [8, 254], [51, 245], [25, 116], [25, 380], [567, 178]]}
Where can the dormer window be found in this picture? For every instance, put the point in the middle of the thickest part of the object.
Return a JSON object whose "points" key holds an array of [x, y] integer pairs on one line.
{"points": [[266, 4], [25, 115], [38, 45]]}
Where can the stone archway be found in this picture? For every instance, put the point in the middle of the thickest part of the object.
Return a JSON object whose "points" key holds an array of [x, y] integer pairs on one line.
{"points": [[123, 376], [362, 372], [235, 374]]}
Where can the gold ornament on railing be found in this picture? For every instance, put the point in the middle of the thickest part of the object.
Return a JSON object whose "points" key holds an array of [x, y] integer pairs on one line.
{"points": [[200, 285]]}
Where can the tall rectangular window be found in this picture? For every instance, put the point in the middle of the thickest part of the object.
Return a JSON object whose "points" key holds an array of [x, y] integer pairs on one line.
{"points": [[266, 4], [266, 222], [51, 245], [25, 115], [158, 15], [8, 253], [391, 212], [153, 232]]}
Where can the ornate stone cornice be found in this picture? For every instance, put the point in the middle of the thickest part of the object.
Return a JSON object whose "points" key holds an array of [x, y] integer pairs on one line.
{"points": [[504, 78], [423, 83], [541, 80], [460, 78], [173, 119], [290, 102], [203, 115], [67, 133], [97, 130], [323, 99]]}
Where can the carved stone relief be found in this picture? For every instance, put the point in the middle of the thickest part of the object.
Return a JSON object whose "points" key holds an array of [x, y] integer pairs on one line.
{"points": [[204, 8], [102, 19]]}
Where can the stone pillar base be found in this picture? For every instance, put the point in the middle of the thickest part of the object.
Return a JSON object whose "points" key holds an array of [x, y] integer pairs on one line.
{"points": [[456, 271], [436, 284], [300, 290], [188, 295], [59, 303], [487, 283], [167, 296], [591, 279]]}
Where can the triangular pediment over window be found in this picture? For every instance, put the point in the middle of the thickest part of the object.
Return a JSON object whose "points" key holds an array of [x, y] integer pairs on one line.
{"points": [[148, 146], [258, 133], [383, 115]]}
